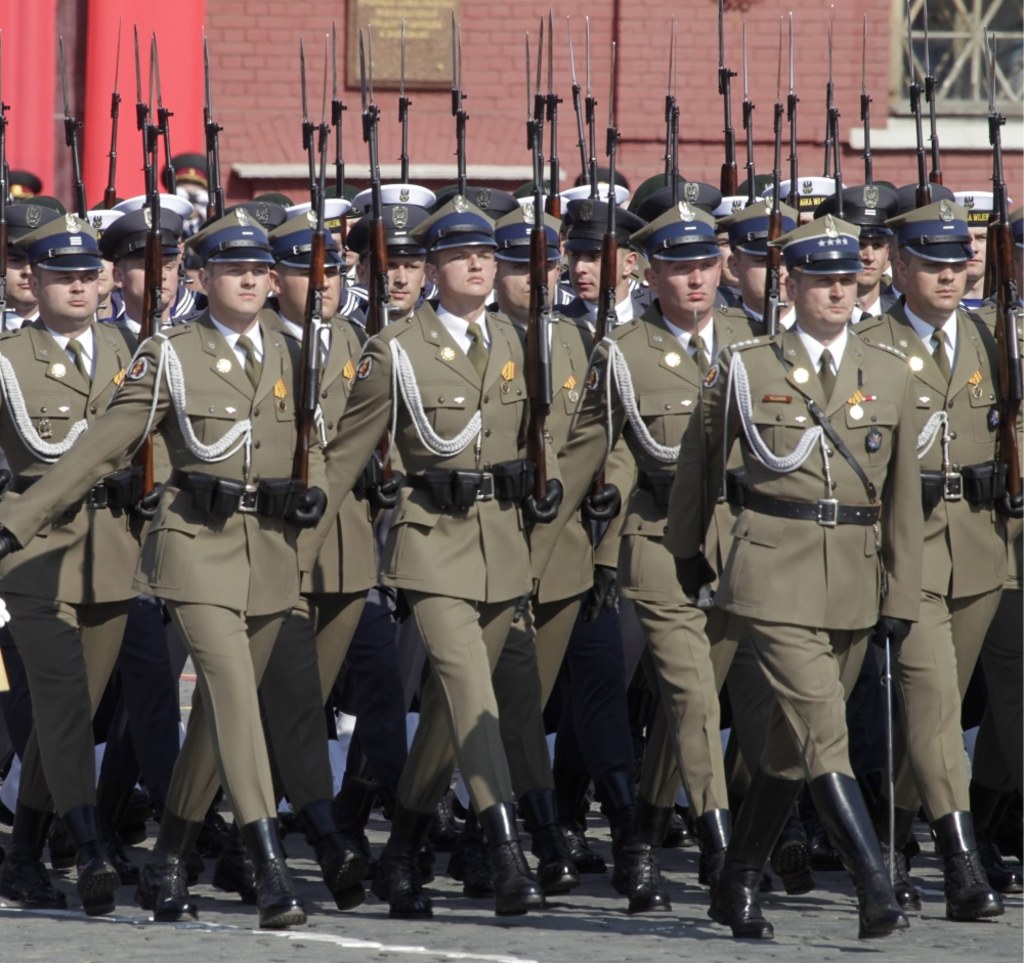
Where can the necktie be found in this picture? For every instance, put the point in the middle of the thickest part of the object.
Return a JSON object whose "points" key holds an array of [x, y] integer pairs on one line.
{"points": [[939, 342], [477, 353], [252, 366], [828, 378], [75, 350], [700, 354]]}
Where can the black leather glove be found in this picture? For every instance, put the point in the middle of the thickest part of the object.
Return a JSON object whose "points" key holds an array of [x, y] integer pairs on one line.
{"points": [[893, 629], [1010, 507], [544, 510], [5, 480], [145, 508], [693, 572], [603, 594], [8, 543], [402, 610], [603, 505], [384, 494], [310, 509]]}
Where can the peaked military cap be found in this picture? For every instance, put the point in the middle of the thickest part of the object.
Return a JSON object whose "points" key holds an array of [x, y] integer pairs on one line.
{"points": [[586, 222], [827, 245], [335, 209], [491, 201], [512, 234], [748, 227], [937, 232], [978, 204], [704, 197], [66, 243], [275, 197], [269, 213], [762, 186], [731, 204], [583, 193], [906, 196], [810, 192], [100, 219], [127, 235], [682, 233], [292, 242], [649, 186], [236, 237], [458, 223], [23, 218], [189, 168], [23, 184], [400, 220], [168, 202], [868, 205], [407, 194]]}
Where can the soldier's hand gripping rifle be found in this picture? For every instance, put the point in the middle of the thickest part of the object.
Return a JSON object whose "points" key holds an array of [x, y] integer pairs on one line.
{"points": [[728, 180], [935, 174], [1001, 285], [403, 108], [865, 106], [110, 192], [772, 293], [538, 345], [791, 103], [309, 357], [71, 126], [215, 208], [551, 102], [672, 121], [924, 190], [458, 112], [577, 106], [338, 109], [748, 124]]}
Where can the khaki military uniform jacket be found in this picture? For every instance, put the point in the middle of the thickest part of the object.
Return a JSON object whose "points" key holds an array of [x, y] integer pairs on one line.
{"points": [[965, 546], [246, 562], [479, 553], [90, 558], [340, 554], [797, 572]]}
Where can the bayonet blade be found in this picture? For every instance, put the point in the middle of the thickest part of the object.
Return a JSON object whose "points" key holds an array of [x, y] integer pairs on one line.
{"points": [[529, 81], [864, 59], [362, 71], [927, 55], [155, 58], [138, 68], [63, 77], [746, 86], [117, 57], [586, 22], [540, 56], [572, 58], [551, 52], [334, 59], [302, 81], [611, 92], [323, 96], [401, 62]]}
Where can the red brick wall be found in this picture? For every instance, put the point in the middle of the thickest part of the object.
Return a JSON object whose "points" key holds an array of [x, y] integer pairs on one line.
{"points": [[254, 58]]}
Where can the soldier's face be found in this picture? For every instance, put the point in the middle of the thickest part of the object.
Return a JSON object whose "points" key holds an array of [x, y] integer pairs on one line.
{"points": [[464, 275], [976, 265], [21, 296], [728, 269], [751, 271], [67, 299], [130, 274], [512, 287], [291, 285], [405, 282], [237, 291], [933, 289], [823, 302], [107, 282], [585, 273], [874, 257], [685, 289]]}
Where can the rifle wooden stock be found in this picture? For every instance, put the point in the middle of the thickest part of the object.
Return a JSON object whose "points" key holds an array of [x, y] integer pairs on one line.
{"points": [[376, 313], [309, 359], [609, 281], [152, 310], [538, 361], [772, 293]]}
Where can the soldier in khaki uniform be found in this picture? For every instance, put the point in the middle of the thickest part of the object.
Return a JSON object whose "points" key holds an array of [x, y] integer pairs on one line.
{"points": [[953, 357], [830, 502], [221, 550], [457, 548], [69, 590]]}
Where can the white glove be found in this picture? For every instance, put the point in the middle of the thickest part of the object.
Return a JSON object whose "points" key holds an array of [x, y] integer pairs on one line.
{"points": [[5, 616]]}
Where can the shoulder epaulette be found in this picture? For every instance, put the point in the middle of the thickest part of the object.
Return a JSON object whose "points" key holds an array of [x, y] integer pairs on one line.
{"points": [[886, 347], [748, 343]]}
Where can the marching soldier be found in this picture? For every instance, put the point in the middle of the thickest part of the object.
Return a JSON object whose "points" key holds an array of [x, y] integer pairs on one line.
{"points": [[830, 502], [221, 550], [978, 205], [953, 357], [22, 301]]}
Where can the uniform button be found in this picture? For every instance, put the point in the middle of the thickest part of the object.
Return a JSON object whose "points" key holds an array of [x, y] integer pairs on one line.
{"points": [[486, 398], [952, 436], [323, 394], [949, 404], [92, 409], [778, 417], [668, 407], [330, 424], [829, 452], [255, 444], [440, 401], [255, 411], [874, 417], [487, 433], [43, 409], [519, 391]]}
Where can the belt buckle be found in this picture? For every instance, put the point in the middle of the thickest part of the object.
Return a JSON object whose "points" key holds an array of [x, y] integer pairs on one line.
{"points": [[98, 496], [952, 486], [485, 492], [247, 501], [828, 512]]}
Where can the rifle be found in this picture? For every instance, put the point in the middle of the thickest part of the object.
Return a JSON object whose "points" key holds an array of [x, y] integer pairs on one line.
{"points": [[403, 109], [672, 121], [725, 75], [109, 193], [830, 100], [552, 100], [865, 105], [215, 208], [748, 124], [935, 174], [772, 294], [606, 315], [309, 355], [832, 127], [458, 112], [924, 191], [338, 108], [71, 126], [1001, 284], [577, 106], [163, 121], [538, 346], [309, 130], [4, 187], [791, 101], [592, 122]]}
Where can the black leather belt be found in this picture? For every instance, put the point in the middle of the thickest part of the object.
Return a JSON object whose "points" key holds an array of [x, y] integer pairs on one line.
{"points": [[825, 511], [97, 497], [478, 483], [222, 497]]}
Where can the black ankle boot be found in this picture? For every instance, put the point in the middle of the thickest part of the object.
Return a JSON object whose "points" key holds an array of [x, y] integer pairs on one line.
{"points": [[112, 804], [396, 878], [969, 896], [62, 849], [469, 863], [352, 807], [791, 857], [845, 817], [556, 870], [278, 903], [97, 878], [234, 871], [903, 886], [340, 859], [444, 829], [636, 863], [516, 890], [163, 881], [23, 877], [572, 805], [714, 828], [987, 807], [736, 900]]}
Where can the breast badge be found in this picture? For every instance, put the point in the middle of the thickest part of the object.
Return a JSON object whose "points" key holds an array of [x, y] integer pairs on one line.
{"points": [[349, 371], [801, 376], [58, 370], [873, 442], [138, 370], [223, 365], [711, 377], [673, 360], [364, 369], [447, 354]]}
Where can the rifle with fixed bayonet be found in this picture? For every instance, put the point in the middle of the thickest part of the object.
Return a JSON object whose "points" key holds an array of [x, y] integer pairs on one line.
{"points": [[791, 104], [403, 109], [71, 126], [924, 191], [4, 189], [309, 353], [163, 121], [458, 111], [1001, 286], [591, 109], [672, 121], [772, 283], [748, 123], [606, 315], [538, 345], [337, 111], [865, 106], [577, 106], [215, 207], [830, 99], [935, 174], [832, 127], [728, 180], [109, 192], [551, 102], [309, 130]]}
